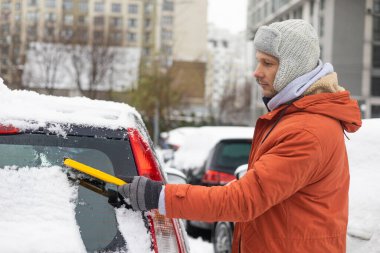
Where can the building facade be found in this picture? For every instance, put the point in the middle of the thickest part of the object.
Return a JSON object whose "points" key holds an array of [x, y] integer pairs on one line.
{"points": [[349, 33], [229, 66], [143, 24]]}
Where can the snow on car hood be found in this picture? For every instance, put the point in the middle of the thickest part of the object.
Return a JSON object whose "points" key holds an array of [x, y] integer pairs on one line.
{"points": [[197, 145], [30, 110], [38, 211], [364, 213]]}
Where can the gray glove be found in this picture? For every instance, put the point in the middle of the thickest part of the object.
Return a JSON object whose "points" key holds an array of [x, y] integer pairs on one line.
{"points": [[143, 193]]}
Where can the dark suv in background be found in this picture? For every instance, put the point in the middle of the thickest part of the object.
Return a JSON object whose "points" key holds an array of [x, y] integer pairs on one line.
{"points": [[36, 133], [209, 156]]}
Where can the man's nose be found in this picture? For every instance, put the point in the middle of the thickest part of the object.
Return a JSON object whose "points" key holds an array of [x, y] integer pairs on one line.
{"points": [[258, 73]]}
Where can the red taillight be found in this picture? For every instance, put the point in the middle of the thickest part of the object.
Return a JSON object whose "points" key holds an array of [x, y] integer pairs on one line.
{"points": [[217, 178], [165, 232], [8, 130], [146, 163]]}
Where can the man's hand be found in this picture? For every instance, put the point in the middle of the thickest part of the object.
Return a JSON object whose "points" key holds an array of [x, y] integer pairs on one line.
{"points": [[143, 193]]}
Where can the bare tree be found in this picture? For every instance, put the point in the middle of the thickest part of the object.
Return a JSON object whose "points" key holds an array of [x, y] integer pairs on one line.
{"points": [[49, 58]]}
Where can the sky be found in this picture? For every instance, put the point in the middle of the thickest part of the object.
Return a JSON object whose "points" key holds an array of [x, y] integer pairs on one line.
{"points": [[228, 14]]}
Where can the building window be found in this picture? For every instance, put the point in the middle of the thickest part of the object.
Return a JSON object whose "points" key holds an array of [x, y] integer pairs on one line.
{"points": [[376, 6], [375, 111], [32, 2], [99, 7], [213, 43], [376, 56], [5, 28], [68, 19], [298, 13], [133, 8], [18, 6], [32, 16], [146, 51], [148, 7], [376, 28], [147, 37], [50, 3], [83, 6], [147, 22], [322, 4], [116, 37], [311, 8], [167, 20], [168, 6], [67, 5], [32, 31], [98, 36], [82, 20], [321, 26], [375, 86], [99, 21], [83, 35], [67, 33], [49, 31], [116, 7], [117, 22], [166, 35], [225, 43], [132, 22], [131, 37], [50, 17]]}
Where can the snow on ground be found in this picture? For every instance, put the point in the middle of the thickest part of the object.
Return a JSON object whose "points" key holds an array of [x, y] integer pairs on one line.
{"points": [[197, 245], [364, 215]]}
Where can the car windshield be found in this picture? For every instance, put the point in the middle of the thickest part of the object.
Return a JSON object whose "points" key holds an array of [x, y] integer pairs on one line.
{"points": [[229, 155], [96, 218]]}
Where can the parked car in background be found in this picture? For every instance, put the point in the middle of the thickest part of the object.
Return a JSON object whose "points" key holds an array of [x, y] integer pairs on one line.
{"points": [[209, 156], [45, 207]]}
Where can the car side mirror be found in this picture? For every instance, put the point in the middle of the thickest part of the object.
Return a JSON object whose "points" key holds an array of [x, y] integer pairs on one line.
{"points": [[240, 171], [175, 176]]}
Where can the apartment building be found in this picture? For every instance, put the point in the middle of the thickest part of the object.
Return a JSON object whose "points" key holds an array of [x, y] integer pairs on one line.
{"points": [[115, 23], [349, 33]]}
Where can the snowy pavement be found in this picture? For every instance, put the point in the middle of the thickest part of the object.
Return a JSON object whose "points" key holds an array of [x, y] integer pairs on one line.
{"points": [[197, 245]]}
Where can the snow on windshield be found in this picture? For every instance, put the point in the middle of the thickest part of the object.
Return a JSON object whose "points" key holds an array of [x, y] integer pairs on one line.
{"points": [[364, 214], [38, 211], [197, 145], [30, 110]]}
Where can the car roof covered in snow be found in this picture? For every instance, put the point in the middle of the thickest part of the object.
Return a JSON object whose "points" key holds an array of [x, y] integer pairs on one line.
{"points": [[30, 110]]}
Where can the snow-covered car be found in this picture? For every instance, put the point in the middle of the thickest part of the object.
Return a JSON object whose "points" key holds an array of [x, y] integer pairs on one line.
{"points": [[46, 207], [209, 156]]}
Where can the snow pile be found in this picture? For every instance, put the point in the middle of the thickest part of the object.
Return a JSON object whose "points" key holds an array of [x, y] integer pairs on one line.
{"points": [[38, 211], [364, 214], [197, 145], [30, 110], [131, 226]]}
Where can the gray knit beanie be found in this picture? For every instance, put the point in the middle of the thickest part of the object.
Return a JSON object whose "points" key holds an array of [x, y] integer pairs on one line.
{"points": [[295, 43]]}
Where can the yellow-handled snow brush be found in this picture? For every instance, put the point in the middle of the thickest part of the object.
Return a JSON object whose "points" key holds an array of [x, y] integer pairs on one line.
{"points": [[93, 172]]}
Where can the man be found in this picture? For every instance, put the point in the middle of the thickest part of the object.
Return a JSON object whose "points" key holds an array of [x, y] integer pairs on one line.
{"points": [[294, 196]]}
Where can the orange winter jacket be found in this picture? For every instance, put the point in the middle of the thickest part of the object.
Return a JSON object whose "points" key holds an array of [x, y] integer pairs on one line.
{"points": [[294, 197]]}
